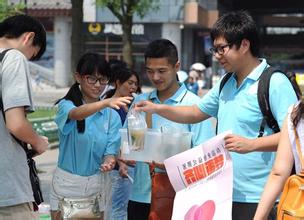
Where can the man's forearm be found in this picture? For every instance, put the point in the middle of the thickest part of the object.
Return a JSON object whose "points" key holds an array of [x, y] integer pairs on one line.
{"points": [[181, 114], [26, 133], [20, 127]]}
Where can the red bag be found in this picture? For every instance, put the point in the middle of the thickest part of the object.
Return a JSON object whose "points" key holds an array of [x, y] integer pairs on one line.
{"points": [[162, 197]]}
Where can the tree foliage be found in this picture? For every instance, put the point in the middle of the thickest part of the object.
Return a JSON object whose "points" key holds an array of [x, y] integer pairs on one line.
{"points": [[124, 10], [7, 10]]}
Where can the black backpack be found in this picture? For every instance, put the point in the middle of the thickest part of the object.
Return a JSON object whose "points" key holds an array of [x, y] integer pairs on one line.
{"points": [[263, 97]]}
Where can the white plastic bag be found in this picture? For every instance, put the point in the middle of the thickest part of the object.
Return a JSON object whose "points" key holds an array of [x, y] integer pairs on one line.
{"points": [[137, 127]]}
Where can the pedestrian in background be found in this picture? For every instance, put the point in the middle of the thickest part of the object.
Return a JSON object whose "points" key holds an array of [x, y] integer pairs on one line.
{"points": [[286, 157], [192, 85], [126, 83], [26, 38], [236, 47], [88, 136]]}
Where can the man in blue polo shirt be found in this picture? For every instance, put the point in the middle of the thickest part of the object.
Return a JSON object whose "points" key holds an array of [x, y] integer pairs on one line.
{"points": [[162, 64], [236, 47]]}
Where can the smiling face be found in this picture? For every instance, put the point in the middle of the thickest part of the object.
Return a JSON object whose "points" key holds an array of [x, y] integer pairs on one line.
{"points": [[161, 73], [231, 57], [91, 86]]}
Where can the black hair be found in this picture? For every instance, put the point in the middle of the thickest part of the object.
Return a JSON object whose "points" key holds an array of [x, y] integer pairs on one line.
{"points": [[235, 27], [298, 113], [115, 65], [89, 64], [15, 26], [162, 48], [122, 74]]}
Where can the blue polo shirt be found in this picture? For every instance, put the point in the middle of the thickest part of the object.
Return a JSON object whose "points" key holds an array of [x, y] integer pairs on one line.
{"points": [[141, 189], [82, 153], [237, 109]]}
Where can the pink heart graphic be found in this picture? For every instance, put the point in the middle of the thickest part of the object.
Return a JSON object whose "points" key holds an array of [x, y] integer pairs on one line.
{"points": [[204, 212]]}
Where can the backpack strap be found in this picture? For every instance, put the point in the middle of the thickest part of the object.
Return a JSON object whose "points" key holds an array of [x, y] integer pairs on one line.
{"points": [[299, 150], [222, 84], [224, 80], [263, 100]]}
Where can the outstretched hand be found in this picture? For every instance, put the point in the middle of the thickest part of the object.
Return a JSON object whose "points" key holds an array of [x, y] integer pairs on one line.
{"points": [[145, 106], [238, 144], [118, 103]]}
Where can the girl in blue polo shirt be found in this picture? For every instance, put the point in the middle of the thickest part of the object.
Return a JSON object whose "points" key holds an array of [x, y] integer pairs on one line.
{"points": [[88, 136]]}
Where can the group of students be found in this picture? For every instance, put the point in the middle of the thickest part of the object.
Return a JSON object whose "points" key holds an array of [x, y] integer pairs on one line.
{"points": [[89, 138], [89, 124]]}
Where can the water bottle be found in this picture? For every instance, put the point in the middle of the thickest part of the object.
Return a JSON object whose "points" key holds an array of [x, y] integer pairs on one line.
{"points": [[44, 211]]}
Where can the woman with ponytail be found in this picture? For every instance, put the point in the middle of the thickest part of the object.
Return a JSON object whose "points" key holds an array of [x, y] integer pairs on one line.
{"points": [[286, 157], [88, 136]]}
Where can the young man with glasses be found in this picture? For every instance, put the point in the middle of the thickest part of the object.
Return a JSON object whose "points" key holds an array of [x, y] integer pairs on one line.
{"points": [[236, 47]]}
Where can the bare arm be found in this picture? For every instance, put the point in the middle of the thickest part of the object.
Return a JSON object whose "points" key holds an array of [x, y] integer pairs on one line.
{"points": [[21, 128], [86, 110], [267, 143], [280, 172], [180, 114]]}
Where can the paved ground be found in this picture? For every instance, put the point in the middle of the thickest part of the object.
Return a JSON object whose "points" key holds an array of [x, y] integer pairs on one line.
{"points": [[46, 164]]}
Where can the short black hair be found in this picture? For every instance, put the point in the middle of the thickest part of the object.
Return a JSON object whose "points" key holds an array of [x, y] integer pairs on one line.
{"points": [[236, 26], [162, 48], [15, 26]]}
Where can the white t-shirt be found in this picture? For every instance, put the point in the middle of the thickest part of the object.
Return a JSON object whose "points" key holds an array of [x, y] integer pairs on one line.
{"points": [[15, 90]]}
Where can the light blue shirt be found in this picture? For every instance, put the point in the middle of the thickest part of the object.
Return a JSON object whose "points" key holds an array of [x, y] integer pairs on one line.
{"points": [[237, 109], [82, 153], [141, 190]]}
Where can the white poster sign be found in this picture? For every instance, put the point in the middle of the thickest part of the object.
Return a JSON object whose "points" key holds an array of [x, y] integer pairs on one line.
{"points": [[202, 178]]}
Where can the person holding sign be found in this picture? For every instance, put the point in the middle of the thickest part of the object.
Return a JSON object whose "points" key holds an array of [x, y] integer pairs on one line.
{"points": [[161, 60], [236, 47]]}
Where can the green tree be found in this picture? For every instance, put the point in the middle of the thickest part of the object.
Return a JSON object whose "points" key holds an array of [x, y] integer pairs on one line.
{"points": [[7, 10], [124, 10]]}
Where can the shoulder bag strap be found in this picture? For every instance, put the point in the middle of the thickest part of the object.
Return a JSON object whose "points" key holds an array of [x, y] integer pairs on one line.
{"points": [[299, 150]]}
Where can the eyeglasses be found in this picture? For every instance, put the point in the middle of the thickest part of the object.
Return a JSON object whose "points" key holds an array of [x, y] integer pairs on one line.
{"points": [[220, 50], [93, 80]]}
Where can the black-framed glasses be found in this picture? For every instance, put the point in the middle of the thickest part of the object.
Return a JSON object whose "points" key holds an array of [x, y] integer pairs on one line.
{"points": [[93, 80], [220, 50]]}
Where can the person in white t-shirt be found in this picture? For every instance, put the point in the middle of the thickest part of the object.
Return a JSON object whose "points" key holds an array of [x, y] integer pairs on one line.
{"points": [[26, 39]]}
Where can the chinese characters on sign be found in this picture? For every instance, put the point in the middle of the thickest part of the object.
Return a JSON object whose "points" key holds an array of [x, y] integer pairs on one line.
{"points": [[200, 168], [198, 176]]}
